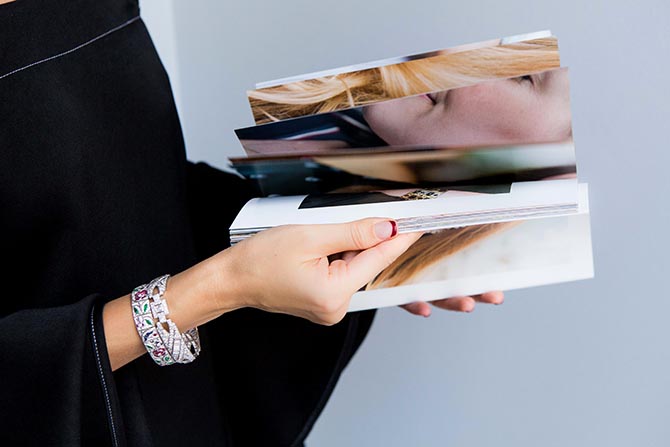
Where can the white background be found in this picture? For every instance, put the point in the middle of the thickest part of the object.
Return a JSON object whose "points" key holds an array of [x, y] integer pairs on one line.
{"points": [[581, 364]]}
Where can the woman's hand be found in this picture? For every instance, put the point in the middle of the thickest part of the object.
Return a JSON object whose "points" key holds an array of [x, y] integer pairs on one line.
{"points": [[287, 269], [284, 269], [457, 303]]}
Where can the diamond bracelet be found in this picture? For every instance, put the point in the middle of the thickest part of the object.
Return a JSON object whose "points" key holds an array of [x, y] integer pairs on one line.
{"points": [[166, 346]]}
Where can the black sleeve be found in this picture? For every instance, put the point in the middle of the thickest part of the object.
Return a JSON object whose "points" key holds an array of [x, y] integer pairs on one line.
{"points": [[214, 199], [55, 380], [275, 372]]}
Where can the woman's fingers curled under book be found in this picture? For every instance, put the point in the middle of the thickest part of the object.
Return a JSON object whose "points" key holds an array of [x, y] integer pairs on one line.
{"points": [[420, 308], [457, 303], [496, 297]]}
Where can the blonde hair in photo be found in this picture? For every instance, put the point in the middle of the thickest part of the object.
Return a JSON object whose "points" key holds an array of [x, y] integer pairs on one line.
{"points": [[442, 72], [430, 249]]}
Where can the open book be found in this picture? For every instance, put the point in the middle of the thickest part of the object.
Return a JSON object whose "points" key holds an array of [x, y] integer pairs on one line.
{"points": [[470, 145]]}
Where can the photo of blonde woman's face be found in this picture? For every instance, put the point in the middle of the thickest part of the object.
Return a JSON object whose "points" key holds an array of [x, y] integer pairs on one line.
{"points": [[533, 108]]}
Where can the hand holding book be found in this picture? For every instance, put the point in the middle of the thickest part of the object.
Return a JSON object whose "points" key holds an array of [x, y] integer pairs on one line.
{"points": [[312, 271], [472, 146]]}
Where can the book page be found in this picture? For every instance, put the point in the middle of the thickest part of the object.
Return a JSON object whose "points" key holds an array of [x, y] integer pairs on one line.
{"points": [[531, 108], [269, 212], [442, 70], [478, 259], [408, 167], [396, 60]]}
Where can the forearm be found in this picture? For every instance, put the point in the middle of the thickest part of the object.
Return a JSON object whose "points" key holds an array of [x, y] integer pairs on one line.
{"points": [[284, 270], [192, 300]]}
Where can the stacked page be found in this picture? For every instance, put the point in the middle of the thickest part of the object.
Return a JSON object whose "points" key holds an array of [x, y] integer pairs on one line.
{"points": [[470, 145]]}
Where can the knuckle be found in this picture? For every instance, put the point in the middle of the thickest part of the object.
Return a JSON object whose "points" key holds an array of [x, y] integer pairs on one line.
{"points": [[332, 319], [330, 309], [327, 321], [329, 306], [358, 236]]}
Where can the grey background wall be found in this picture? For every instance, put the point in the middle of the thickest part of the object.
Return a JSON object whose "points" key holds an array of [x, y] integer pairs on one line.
{"points": [[578, 364]]}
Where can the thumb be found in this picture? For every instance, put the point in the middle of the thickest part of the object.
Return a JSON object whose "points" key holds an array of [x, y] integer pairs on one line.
{"points": [[356, 235], [369, 263]]}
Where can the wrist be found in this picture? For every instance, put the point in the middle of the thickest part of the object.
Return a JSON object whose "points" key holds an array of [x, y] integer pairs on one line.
{"points": [[194, 296], [227, 291]]}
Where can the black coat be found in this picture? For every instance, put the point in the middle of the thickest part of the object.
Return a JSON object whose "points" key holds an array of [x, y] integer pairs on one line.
{"points": [[97, 197]]}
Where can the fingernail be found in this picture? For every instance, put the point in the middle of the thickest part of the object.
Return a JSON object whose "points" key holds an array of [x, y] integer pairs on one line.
{"points": [[386, 229]]}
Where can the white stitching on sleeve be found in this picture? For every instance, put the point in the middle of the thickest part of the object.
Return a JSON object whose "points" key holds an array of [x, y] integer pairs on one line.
{"points": [[102, 380]]}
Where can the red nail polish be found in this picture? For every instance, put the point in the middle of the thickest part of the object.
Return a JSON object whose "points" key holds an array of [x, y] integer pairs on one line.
{"points": [[394, 229]]}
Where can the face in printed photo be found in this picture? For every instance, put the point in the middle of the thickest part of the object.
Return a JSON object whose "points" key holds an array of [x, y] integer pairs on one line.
{"points": [[531, 108], [355, 86]]}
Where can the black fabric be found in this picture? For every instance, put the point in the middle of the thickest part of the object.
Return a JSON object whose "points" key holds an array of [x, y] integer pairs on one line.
{"points": [[97, 197]]}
